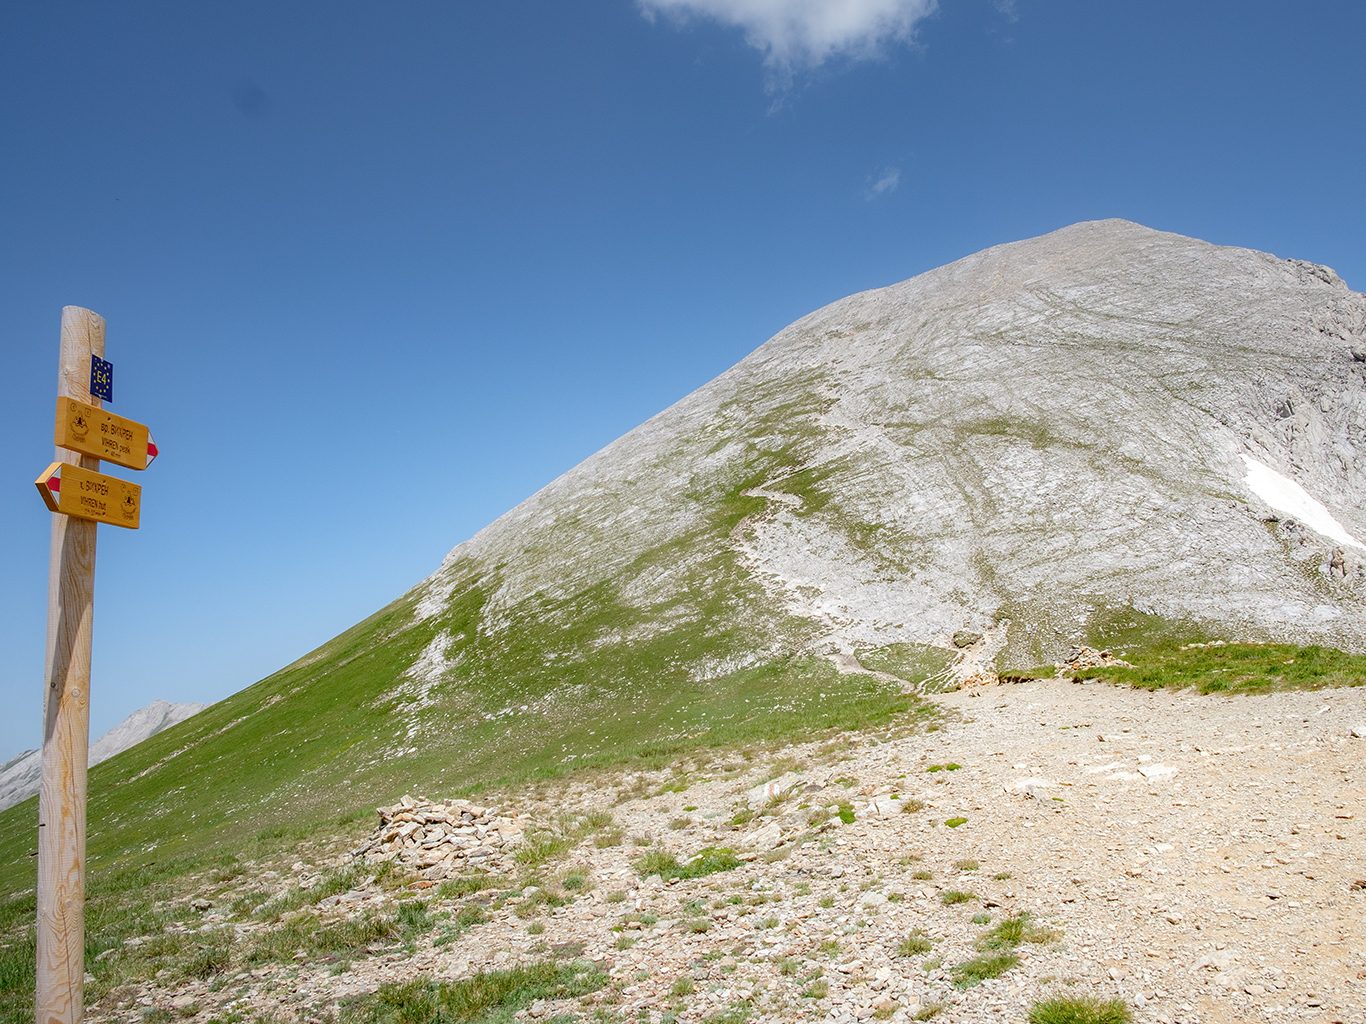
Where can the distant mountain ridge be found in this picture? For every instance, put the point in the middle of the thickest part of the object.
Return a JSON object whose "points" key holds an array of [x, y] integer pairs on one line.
{"points": [[21, 775]]}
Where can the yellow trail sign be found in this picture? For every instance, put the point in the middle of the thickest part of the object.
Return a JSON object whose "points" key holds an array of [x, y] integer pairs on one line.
{"points": [[91, 431], [85, 494]]}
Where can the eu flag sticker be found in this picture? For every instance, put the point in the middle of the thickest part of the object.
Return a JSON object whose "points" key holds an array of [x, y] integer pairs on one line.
{"points": [[101, 379]]}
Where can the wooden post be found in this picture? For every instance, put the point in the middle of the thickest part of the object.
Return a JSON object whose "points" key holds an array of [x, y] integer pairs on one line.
{"points": [[60, 989]]}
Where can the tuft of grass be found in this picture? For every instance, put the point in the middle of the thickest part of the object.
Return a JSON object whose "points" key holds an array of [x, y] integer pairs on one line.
{"points": [[980, 968], [708, 861], [596, 820], [1079, 1010], [981, 918], [454, 888], [411, 918], [541, 847], [208, 959], [575, 880], [928, 1012], [952, 896], [1012, 931], [911, 806], [922, 876], [486, 995], [616, 896], [966, 865], [532, 904], [1001, 876], [818, 989], [307, 935], [914, 944], [470, 915], [682, 987]]}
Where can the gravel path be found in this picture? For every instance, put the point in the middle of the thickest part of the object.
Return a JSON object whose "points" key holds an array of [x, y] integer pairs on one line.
{"points": [[1193, 856]]}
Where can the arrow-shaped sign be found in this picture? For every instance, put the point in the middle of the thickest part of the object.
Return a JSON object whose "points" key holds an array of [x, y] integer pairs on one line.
{"points": [[90, 431], [85, 494]]}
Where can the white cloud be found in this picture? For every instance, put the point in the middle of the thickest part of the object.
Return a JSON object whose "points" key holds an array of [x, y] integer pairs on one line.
{"points": [[886, 182], [797, 34]]}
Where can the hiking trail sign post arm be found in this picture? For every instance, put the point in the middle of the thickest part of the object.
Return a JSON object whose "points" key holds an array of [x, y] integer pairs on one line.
{"points": [[80, 497]]}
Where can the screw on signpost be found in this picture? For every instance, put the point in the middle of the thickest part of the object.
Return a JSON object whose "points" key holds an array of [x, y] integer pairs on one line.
{"points": [[80, 498]]}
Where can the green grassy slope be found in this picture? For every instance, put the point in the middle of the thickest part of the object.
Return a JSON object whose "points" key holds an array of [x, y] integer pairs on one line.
{"points": [[559, 677], [543, 686]]}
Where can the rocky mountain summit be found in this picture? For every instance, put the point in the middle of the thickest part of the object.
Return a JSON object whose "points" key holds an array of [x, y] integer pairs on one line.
{"points": [[1030, 444]]}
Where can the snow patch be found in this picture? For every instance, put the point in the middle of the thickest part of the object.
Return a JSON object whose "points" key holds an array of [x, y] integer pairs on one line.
{"points": [[1284, 495]]}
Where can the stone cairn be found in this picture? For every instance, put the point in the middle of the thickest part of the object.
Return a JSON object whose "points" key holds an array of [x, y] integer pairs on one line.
{"points": [[443, 838], [1080, 658]]}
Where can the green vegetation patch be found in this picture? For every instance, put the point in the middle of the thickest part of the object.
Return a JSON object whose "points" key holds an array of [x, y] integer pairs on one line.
{"points": [[998, 945], [18, 972], [918, 664], [708, 861], [485, 997], [980, 968], [914, 944], [1012, 931], [1236, 667], [1079, 1010], [312, 938]]}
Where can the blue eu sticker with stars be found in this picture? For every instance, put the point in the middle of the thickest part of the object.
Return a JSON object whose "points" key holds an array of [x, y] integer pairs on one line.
{"points": [[101, 379]]}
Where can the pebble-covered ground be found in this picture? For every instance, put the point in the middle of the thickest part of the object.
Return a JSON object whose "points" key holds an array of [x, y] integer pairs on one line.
{"points": [[1196, 856]]}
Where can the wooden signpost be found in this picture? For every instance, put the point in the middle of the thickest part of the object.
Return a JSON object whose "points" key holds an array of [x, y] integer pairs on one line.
{"points": [[75, 491], [80, 497], [90, 430]]}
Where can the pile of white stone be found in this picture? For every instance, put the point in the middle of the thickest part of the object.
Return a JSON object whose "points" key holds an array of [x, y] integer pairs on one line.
{"points": [[442, 838], [1080, 658]]}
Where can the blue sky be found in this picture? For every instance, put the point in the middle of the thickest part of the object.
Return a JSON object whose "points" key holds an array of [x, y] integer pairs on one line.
{"points": [[375, 273]]}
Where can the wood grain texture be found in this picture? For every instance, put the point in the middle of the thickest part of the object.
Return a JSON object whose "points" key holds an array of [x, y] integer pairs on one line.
{"points": [[59, 995]]}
